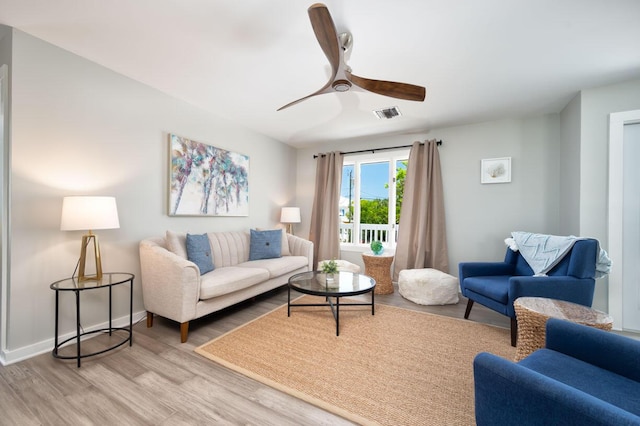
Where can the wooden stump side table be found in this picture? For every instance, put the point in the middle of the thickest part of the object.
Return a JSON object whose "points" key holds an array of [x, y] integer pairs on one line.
{"points": [[378, 267], [533, 312]]}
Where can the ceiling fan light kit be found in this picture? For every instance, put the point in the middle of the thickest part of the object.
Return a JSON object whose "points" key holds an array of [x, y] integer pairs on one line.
{"points": [[334, 46]]}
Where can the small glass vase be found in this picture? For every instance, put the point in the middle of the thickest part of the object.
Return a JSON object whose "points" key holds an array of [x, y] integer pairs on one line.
{"points": [[331, 281]]}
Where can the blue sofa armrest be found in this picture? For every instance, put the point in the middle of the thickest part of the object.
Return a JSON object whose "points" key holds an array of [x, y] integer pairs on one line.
{"points": [[483, 269], [507, 393], [604, 349]]}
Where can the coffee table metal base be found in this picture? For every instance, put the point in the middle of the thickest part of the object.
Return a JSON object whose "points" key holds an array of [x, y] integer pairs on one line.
{"points": [[335, 308]]}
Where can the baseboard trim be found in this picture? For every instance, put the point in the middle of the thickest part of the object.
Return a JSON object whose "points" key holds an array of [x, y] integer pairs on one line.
{"points": [[12, 356]]}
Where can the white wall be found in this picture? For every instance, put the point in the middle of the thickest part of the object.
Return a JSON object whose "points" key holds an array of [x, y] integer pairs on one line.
{"points": [[596, 105], [570, 170], [79, 128], [479, 217]]}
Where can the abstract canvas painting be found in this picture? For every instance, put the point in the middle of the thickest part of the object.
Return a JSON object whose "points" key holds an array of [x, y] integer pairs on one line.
{"points": [[207, 181]]}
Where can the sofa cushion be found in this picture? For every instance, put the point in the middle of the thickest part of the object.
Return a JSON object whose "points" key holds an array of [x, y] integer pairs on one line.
{"points": [[588, 378], [265, 244], [176, 243], [277, 267], [229, 248], [229, 279], [199, 252], [493, 287]]}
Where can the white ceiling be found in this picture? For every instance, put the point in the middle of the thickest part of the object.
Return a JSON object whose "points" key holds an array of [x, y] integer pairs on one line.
{"points": [[479, 60]]}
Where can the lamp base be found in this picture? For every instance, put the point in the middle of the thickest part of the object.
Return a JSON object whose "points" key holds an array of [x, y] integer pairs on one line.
{"points": [[86, 240], [290, 228]]}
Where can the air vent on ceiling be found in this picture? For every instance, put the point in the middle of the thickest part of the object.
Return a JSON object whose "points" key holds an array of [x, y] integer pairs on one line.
{"points": [[387, 113]]}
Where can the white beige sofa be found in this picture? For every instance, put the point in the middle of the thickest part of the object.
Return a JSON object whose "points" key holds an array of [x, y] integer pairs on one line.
{"points": [[172, 286]]}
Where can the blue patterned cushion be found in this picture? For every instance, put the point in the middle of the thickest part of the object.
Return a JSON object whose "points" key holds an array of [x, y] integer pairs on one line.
{"points": [[199, 252], [265, 244]]}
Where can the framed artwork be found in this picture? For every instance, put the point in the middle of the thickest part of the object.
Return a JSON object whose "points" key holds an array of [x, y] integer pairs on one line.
{"points": [[206, 181], [495, 170]]}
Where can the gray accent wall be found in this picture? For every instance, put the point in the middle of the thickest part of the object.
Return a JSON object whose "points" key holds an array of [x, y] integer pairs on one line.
{"points": [[81, 129]]}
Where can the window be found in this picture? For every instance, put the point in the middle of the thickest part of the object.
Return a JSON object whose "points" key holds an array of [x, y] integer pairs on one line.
{"points": [[370, 198]]}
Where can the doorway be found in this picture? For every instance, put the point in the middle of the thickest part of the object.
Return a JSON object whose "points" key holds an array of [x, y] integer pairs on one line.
{"points": [[624, 219]]}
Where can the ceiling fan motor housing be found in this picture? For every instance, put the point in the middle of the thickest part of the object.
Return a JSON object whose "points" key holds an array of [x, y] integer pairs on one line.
{"points": [[341, 85]]}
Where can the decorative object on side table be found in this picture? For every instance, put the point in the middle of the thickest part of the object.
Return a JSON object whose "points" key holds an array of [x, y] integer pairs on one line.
{"points": [[376, 247], [330, 268]]}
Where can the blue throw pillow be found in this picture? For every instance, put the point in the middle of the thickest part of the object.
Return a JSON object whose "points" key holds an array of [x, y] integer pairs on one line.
{"points": [[265, 244], [199, 252]]}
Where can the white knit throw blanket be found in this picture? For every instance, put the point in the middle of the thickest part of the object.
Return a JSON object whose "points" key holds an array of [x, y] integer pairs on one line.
{"points": [[542, 252]]}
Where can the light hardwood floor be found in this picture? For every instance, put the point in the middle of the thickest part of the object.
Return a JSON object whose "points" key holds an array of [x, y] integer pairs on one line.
{"points": [[159, 381]]}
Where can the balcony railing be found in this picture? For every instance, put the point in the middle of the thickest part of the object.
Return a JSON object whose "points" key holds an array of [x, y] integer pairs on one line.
{"points": [[368, 232]]}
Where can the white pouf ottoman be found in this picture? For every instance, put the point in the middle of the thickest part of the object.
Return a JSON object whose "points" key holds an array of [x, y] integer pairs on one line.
{"points": [[343, 266], [428, 286]]}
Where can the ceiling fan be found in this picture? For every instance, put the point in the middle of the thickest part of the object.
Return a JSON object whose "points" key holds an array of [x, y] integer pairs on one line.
{"points": [[334, 45]]}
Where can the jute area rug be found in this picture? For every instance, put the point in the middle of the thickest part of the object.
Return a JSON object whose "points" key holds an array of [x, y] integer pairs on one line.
{"points": [[398, 367]]}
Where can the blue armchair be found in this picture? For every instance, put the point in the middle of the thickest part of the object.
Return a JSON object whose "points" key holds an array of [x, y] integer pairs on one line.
{"points": [[497, 285], [584, 376]]}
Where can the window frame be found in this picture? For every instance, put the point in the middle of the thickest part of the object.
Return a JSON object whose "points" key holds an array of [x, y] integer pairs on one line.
{"points": [[393, 157]]}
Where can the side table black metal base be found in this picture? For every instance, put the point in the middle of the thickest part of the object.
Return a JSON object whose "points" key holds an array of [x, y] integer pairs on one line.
{"points": [[71, 284]]}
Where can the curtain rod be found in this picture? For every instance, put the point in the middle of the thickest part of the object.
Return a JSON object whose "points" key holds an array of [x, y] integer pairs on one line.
{"points": [[376, 149]]}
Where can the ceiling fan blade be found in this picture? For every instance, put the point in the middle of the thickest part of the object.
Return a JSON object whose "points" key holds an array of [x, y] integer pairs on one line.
{"points": [[326, 33], [325, 89], [406, 91], [327, 36]]}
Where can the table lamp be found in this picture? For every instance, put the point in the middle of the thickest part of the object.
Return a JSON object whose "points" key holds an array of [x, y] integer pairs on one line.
{"points": [[83, 213], [289, 216]]}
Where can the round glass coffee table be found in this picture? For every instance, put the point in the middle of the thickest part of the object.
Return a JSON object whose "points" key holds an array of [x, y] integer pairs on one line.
{"points": [[343, 284]]}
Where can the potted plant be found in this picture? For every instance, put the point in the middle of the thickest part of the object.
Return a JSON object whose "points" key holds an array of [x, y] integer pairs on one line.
{"points": [[330, 268], [377, 247]]}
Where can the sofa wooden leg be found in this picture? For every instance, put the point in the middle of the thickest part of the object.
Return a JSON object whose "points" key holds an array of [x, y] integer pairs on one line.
{"points": [[468, 310], [149, 319], [514, 332], [184, 331]]}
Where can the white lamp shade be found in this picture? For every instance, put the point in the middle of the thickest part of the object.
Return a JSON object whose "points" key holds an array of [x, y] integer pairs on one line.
{"points": [[81, 213], [290, 215]]}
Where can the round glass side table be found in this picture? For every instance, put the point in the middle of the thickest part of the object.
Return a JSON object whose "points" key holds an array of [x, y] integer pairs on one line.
{"points": [[108, 281]]}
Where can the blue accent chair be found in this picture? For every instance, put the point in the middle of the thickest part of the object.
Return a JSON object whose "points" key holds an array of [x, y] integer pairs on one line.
{"points": [[584, 376], [497, 285]]}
